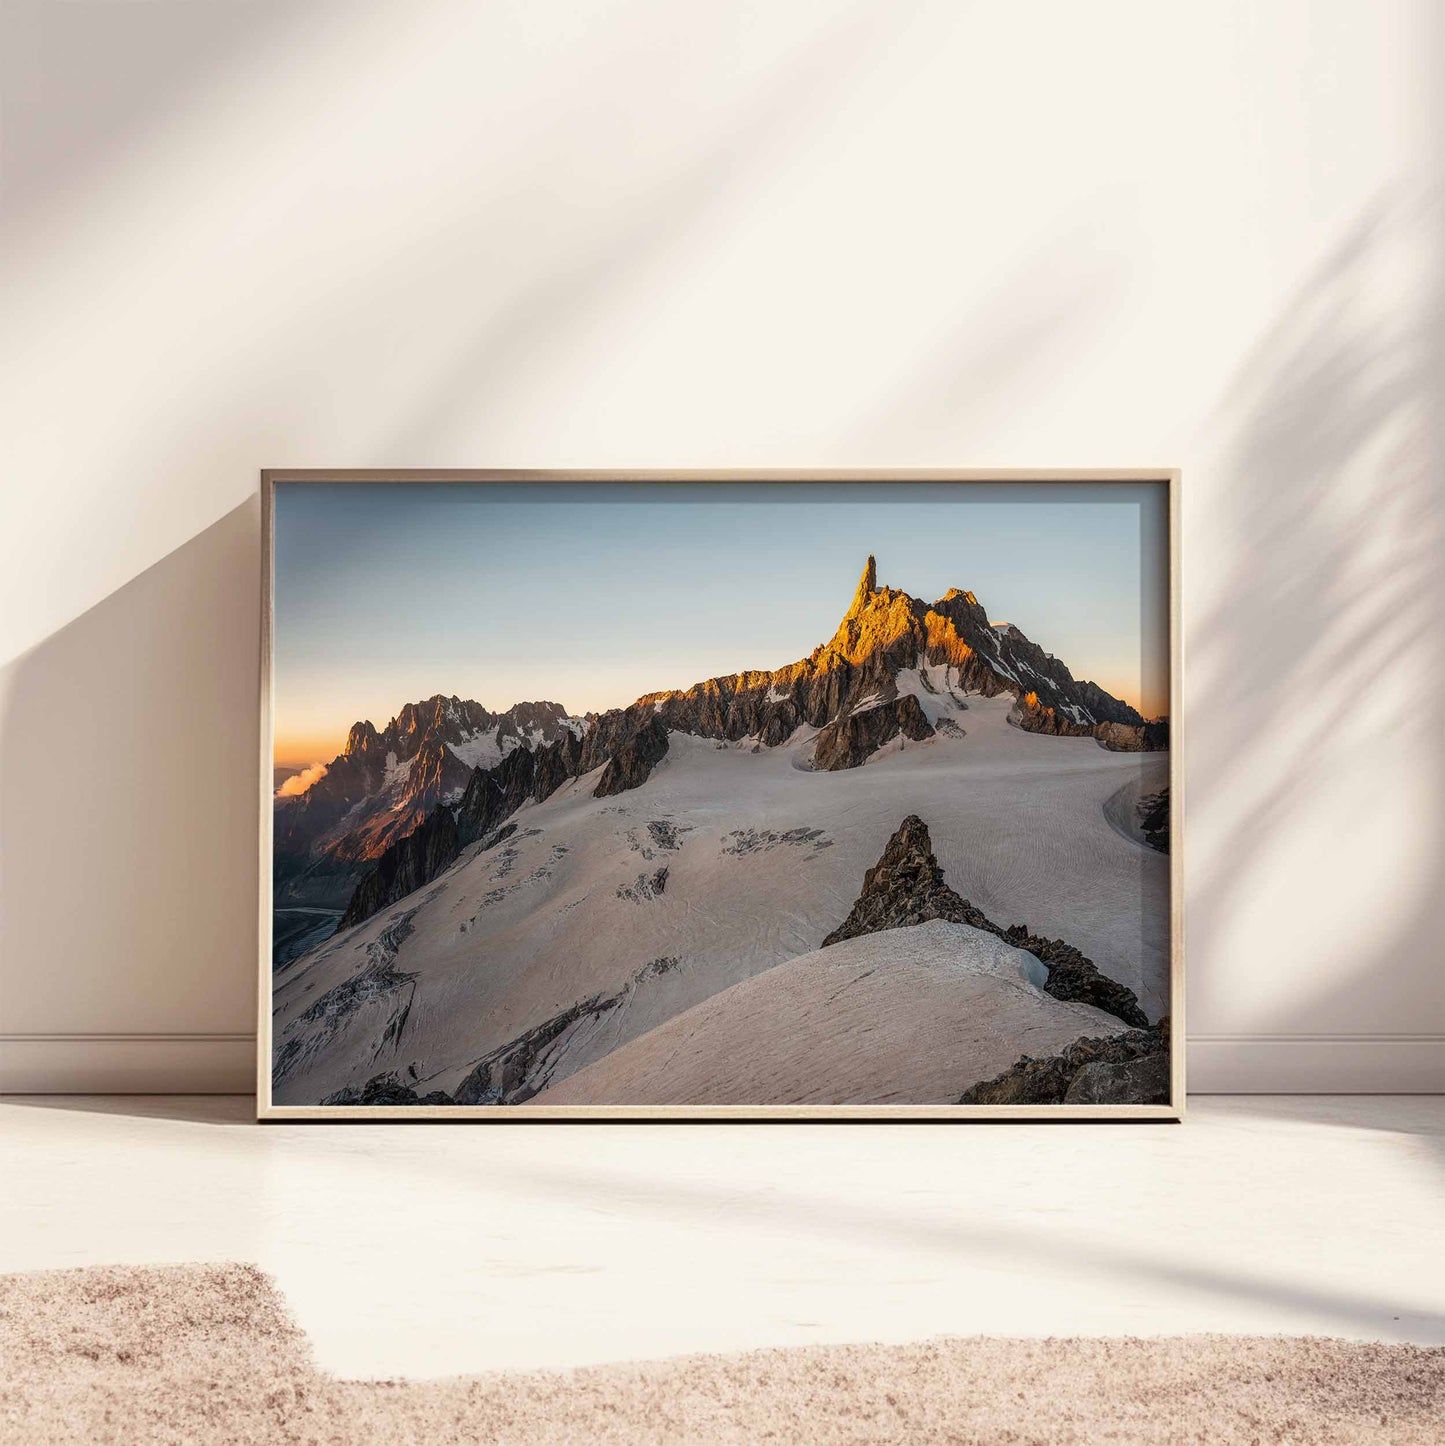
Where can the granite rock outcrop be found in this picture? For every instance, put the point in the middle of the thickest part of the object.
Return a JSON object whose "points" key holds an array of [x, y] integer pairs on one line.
{"points": [[906, 887], [1130, 1068]]}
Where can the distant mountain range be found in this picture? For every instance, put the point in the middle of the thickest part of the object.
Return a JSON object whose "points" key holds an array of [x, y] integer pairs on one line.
{"points": [[385, 782], [398, 806]]}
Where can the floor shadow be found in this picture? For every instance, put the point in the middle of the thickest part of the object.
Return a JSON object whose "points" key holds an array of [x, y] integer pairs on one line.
{"points": [[997, 1240], [129, 788], [746, 1204], [1418, 1116], [179, 1109]]}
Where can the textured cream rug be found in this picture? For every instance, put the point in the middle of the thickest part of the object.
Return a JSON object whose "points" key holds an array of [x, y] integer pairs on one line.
{"points": [[202, 1354]]}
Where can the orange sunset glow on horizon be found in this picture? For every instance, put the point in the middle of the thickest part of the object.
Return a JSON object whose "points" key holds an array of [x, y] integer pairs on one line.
{"points": [[591, 597]]}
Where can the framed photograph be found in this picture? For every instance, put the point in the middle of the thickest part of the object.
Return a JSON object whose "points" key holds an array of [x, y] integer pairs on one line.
{"points": [[710, 795]]}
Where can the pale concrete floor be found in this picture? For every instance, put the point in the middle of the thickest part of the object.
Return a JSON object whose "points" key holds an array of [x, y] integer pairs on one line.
{"points": [[431, 1249]]}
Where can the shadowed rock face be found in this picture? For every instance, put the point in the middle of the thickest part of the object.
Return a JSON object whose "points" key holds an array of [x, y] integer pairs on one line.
{"points": [[1126, 1069], [1152, 812], [1033, 716], [386, 1089], [1073, 976], [630, 742], [408, 864], [906, 886], [848, 742], [632, 764], [494, 794]]}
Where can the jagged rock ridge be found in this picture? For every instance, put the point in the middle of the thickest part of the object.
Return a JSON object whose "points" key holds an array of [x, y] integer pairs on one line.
{"points": [[627, 744], [1034, 716], [906, 887], [423, 755], [884, 632], [846, 688], [384, 782]]}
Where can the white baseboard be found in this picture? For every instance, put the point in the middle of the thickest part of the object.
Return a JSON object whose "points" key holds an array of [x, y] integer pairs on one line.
{"points": [[127, 1064], [1316, 1064], [225, 1064]]}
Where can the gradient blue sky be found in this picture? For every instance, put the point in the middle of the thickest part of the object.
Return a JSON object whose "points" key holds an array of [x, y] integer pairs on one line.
{"points": [[592, 594]]}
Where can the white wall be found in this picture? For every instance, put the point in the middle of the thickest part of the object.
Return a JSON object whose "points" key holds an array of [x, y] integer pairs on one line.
{"points": [[721, 234]]}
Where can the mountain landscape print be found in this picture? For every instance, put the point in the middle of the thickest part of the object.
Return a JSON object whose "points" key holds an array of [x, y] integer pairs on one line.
{"points": [[633, 796]]}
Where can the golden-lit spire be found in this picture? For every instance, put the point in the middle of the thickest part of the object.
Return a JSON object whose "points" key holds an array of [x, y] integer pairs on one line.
{"points": [[867, 586]]}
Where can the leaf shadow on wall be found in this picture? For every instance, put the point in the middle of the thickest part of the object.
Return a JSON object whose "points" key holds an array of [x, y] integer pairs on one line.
{"points": [[129, 758], [1315, 678]]}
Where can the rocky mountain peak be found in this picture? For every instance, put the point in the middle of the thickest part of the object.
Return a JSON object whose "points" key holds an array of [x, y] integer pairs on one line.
{"points": [[867, 586], [884, 633], [905, 887], [957, 600], [419, 717], [877, 619], [361, 740], [542, 715]]}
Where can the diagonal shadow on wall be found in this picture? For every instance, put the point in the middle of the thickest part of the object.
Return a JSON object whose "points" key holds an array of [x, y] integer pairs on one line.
{"points": [[129, 756]]}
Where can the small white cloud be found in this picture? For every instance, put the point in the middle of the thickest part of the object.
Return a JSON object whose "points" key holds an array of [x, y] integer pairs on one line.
{"points": [[298, 783]]}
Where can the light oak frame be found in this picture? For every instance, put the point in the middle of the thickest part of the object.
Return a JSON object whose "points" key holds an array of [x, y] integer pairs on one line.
{"points": [[266, 1111]]}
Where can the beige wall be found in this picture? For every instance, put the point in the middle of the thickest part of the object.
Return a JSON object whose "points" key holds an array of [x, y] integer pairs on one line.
{"points": [[240, 235]]}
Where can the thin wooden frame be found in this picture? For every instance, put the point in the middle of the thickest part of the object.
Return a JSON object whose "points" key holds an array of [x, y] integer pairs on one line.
{"points": [[1172, 1112]]}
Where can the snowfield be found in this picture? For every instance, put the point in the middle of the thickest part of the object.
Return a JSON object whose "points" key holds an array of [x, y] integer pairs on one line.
{"points": [[604, 919], [898, 1017]]}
